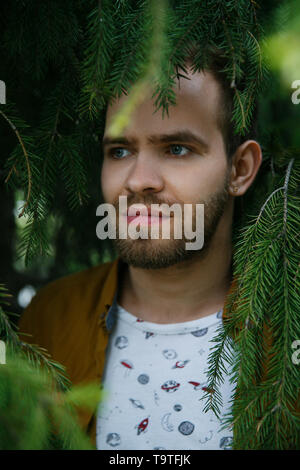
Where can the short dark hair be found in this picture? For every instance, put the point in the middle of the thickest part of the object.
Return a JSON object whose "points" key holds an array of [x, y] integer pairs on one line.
{"points": [[215, 63]]}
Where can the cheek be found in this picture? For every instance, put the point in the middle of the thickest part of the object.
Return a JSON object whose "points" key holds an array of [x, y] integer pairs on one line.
{"points": [[106, 183], [112, 181], [199, 182]]}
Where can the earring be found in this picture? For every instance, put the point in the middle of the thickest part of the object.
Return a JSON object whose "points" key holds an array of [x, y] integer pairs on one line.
{"points": [[235, 189]]}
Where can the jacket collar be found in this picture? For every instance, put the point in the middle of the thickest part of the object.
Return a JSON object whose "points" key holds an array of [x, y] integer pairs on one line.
{"points": [[110, 291], [109, 295]]}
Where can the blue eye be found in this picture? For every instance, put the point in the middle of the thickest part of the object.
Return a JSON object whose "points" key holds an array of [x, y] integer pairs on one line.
{"points": [[174, 149], [117, 152], [177, 148]]}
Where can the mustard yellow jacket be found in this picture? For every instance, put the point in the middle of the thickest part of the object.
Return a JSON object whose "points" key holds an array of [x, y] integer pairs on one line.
{"points": [[69, 318]]}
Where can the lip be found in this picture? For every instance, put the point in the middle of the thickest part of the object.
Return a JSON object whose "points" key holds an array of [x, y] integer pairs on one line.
{"points": [[144, 215], [145, 219]]}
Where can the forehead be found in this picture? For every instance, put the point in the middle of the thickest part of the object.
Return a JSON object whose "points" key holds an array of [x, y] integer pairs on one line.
{"points": [[197, 108]]}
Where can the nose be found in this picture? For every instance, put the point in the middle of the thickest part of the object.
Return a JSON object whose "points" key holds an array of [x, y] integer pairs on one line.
{"points": [[144, 176]]}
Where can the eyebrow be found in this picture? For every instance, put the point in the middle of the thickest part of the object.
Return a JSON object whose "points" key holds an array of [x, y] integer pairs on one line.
{"points": [[184, 136]]}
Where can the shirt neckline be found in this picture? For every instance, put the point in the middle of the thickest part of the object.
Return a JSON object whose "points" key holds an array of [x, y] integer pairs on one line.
{"points": [[169, 328]]}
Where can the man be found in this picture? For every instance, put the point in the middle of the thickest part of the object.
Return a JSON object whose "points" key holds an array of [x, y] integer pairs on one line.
{"points": [[143, 324]]}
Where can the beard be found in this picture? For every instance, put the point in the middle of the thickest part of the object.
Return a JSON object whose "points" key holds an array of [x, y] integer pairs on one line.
{"points": [[163, 253]]}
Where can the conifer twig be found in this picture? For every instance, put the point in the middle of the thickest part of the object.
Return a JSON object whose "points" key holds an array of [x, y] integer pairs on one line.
{"points": [[26, 158], [34, 353]]}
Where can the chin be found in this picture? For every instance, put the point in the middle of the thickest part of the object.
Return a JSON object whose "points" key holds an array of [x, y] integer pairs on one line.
{"points": [[155, 254]]}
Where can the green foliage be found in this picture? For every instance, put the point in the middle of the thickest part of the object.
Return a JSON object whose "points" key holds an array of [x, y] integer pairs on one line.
{"points": [[35, 355], [32, 417], [63, 63], [37, 403], [71, 60], [264, 321], [105, 50]]}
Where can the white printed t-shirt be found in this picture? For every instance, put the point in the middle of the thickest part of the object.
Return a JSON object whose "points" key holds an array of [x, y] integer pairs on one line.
{"points": [[154, 378]]}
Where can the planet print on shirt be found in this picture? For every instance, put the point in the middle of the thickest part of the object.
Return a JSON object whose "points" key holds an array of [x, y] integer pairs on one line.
{"points": [[180, 364], [206, 438], [170, 386], [137, 403], [148, 334], [128, 366], [226, 443], [186, 428], [165, 424], [160, 370], [177, 407], [196, 385], [121, 342], [143, 379], [200, 332], [156, 398], [142, 426], [113, 439], [170, 353]]}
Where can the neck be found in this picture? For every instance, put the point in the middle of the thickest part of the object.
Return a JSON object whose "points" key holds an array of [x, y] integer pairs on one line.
{"points": [[183, 292]]}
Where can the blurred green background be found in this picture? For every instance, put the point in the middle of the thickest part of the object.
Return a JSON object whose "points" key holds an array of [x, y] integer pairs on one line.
{"points": [[30, 79]]}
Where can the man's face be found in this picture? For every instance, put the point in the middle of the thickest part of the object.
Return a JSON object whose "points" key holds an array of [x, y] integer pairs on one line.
{"points": [[159, 162]]}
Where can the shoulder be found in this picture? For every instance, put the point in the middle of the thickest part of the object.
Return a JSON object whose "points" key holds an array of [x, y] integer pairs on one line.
{"points": [[81, 282], [65, 302]]}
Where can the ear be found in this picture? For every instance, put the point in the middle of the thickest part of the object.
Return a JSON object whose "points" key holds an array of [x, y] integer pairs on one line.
{"points": [[245, 165]]}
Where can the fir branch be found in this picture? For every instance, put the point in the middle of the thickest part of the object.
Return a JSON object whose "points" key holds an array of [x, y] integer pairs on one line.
{"points": [[284, 188], [26, 159], [39, 357], [7, 329], [238, 97], [259, 53], [150, 71], [34, 354], [216, 370], [260, 274]]}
